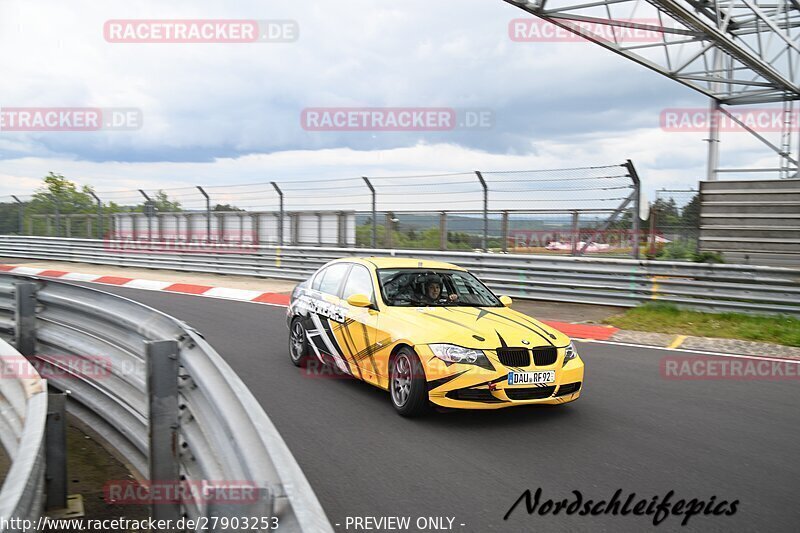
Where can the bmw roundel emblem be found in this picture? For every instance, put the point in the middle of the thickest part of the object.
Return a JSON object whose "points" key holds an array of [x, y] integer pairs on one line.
{"points": [[525, 343]]}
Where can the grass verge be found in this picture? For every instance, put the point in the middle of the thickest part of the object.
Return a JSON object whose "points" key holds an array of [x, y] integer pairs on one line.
{"points": [[664, 318]]}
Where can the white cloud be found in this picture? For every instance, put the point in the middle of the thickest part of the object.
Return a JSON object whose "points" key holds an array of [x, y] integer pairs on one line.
{"points": [[221, 114]]}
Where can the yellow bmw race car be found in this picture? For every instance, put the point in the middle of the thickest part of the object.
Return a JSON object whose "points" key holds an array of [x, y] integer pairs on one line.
{"points": [[429, 333]]}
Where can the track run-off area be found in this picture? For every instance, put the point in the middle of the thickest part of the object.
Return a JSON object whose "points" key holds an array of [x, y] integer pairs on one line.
{"points": [[631, 429]]}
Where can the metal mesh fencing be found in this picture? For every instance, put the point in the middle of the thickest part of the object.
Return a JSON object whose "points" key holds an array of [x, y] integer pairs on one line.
{"points": [[675, 224], [573, 211]]}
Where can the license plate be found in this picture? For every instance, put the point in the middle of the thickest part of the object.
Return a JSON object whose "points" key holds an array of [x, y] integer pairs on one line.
{"points": [[531, 378]]}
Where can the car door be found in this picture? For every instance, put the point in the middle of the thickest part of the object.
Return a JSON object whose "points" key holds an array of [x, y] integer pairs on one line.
{"points": [[326, 315], [358, 336]]}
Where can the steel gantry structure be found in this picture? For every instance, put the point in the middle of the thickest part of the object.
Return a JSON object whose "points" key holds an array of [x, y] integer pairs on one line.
{"points": [[737, 52]]}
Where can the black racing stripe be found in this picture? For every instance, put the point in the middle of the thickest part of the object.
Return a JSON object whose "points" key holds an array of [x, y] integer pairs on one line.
{"points": [[453, 322], [476, 400], [550, 342], [492, 382], [538, 326], [351, 349], [319, 343], [316, 338], [501, 339], [368, 351], [326, 322], [369, 348], [483, 312], [436, 383]]}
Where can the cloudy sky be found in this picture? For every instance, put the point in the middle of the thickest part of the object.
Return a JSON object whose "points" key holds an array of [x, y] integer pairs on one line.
{"points": [[220, 114]]}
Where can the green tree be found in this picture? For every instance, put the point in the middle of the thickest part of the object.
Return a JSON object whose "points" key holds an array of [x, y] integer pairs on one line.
{"points": [[59, 192], [9, 218], [690, 216], [162, 203], [227, 208], [667, 213]]}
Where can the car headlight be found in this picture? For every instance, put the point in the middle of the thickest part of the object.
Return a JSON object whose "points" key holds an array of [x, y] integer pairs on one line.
{"points": [[570, 353], [450, 353]]}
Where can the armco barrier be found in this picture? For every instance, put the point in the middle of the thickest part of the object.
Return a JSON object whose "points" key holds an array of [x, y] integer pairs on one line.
{"points": [[223, 435], [618, 282], [23, 413]]}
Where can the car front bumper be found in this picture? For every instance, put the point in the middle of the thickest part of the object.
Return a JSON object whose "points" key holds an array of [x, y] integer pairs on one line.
{"points": [[461, 386]]}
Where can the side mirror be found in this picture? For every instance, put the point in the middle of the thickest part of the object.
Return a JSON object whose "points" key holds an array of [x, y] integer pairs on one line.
{"points": [[506, 300], [359, 300]]}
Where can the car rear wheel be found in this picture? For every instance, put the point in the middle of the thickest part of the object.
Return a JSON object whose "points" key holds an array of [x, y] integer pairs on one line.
{"points": [[298, 343], [407, 385]]}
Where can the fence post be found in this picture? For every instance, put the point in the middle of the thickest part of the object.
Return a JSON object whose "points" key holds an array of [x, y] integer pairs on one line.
{"points": [[255, 228], [294, 228], [280, 218], [652, 239], [56, 452], [504, 231], [389, 230], [374, 212], [189, 235], [99, 215], [160, 226], [25, 317], [134, 220], [576, 233], [637, 197], [21, 214], [485, 239], [443, 230], [208, 213], [148, 210], [341, 228], [162, 396], [57, 208]]}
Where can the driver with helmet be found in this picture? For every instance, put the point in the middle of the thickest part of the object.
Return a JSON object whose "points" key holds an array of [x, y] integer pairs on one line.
{"points": [[432, 290]]}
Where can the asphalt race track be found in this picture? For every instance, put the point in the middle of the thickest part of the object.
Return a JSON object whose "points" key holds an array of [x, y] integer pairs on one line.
{"points": [[631, 430]]}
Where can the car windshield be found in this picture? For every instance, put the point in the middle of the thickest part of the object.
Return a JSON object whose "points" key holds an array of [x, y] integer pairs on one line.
{"points": [[414, 287]]}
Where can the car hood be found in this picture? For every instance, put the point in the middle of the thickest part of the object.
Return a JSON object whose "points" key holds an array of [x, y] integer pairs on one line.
{"points": [[484, 328]]}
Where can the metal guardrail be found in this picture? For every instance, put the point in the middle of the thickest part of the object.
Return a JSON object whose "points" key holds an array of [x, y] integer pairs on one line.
{"points": [[617, 282], [127, 353], [23, 414]]}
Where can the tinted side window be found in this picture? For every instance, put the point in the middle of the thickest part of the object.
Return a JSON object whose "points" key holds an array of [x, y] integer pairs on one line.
{"points": [[332, 280], [358, 282], [318, 279]]}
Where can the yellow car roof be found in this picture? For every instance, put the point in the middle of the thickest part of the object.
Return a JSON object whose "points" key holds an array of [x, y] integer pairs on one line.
{"points": [[401, 262]]}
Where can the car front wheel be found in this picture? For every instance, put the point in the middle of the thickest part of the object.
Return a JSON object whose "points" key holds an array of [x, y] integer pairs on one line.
{"points": [[407, 384]]}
